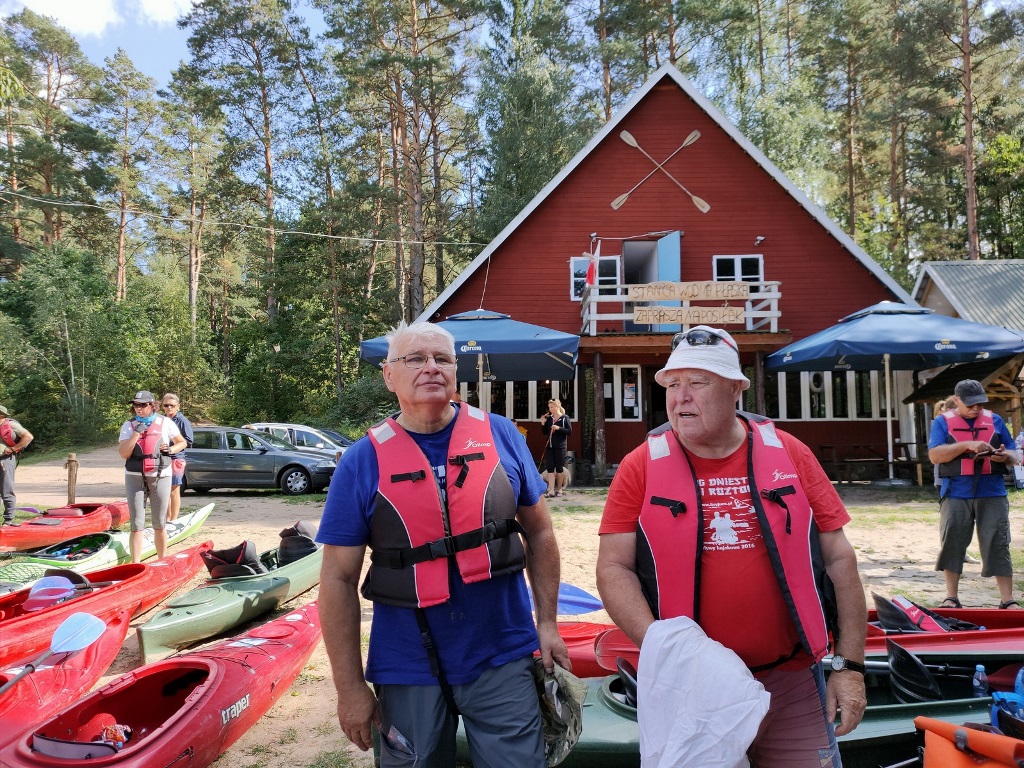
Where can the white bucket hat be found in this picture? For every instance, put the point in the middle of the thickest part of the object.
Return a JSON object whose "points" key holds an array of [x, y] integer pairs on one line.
{"points": [[706, 349]]}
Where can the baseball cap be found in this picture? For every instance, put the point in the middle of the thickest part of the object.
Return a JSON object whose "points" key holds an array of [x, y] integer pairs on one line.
{"points": [[970, 392], [706, 349], [144, 396], [4, 411]]}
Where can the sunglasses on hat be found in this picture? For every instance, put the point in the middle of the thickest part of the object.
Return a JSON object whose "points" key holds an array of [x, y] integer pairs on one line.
{"points": [[699, 337]]}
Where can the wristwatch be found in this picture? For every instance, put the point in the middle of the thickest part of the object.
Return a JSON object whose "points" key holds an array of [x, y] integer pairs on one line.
{"points": [[839, 663]]}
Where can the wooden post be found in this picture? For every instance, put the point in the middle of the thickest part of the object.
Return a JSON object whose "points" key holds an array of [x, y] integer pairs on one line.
{"points": [[600, 454], [72, 467], [759, 383]]}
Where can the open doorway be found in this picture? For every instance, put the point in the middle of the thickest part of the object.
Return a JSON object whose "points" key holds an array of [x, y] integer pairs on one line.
{"points": [[657, 411]]}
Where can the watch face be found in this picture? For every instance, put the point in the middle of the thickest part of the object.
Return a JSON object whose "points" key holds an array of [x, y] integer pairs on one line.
{"points": [[838, 663]]}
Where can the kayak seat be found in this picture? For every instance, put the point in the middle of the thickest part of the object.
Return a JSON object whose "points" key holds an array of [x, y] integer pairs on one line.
{"points": [[627, 674], [73, 576], [71, 750], [66, 512], [911, 681], [296, 543], [241, 560]]}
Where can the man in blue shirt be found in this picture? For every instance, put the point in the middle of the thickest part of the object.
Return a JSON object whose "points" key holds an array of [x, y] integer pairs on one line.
{"points": [[452, 630], [973, 448]]}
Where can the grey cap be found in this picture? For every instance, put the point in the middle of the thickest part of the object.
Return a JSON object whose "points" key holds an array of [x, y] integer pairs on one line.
{"points": [[4, 411], [970, 392], [144, 397]]}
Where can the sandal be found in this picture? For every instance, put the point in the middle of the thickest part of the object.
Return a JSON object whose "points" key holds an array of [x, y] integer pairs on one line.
{"points": [[1009, 603], [952, 603], [559, 493]]}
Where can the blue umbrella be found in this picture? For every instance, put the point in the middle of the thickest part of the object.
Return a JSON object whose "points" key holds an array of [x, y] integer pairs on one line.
{"points": [[894, 336], [492, 346]]}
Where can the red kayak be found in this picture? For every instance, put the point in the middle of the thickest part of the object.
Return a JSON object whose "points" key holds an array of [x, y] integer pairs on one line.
{"points": [[185, 710], [135, 586], [579, 637], [60, 523], [59, 681]]}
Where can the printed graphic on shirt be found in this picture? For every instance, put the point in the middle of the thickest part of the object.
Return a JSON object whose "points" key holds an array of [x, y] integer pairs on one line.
{"points": [[439, 475], [729, 514]]}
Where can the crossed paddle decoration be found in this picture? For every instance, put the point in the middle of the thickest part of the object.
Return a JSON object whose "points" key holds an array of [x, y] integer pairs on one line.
{"points": [[627, 137]]}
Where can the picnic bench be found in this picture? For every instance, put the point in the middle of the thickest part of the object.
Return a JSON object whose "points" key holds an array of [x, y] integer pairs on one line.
{"points": [[866, 461]]}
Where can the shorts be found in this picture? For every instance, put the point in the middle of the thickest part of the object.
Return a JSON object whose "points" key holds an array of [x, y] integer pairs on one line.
{"points": [[957, 520], [177, 472], [500, 712], [795, 733], [554, 459]]}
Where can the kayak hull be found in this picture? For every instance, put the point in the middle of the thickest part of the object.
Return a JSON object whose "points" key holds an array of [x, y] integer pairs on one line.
{"points": [[137, 587], [221, 604], [185, 710], [62, 523], [84, 554], [58, 682]]}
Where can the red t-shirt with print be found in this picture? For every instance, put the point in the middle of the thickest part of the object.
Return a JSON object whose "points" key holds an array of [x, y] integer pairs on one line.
{"points": [[742, 606]]}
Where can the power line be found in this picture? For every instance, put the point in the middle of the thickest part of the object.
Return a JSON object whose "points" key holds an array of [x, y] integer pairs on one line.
{"points": [[244, 227]]}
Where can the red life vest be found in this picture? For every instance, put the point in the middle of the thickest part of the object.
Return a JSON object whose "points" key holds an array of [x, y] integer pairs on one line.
{"points": [[413, 533], [7, 433], [960, 431], [146, 457], [670, 533]]}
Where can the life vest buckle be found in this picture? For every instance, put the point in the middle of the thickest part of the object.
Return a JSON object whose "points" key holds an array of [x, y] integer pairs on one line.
{"points": [[441, 548]]}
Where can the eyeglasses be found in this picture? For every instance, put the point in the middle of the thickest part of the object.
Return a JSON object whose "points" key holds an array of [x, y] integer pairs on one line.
{"points": [[698, 337], [142, 405], [168, 405], [418, 361]]}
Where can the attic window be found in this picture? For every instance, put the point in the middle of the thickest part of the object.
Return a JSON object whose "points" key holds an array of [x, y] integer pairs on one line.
{"points": [[748, 267]]}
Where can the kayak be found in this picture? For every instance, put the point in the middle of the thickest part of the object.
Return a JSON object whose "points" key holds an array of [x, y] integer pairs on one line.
{"points": [[221, 604], [185, 710], [610, 737], [59, 681], [61, 523], [135, 586], [93, 551]]}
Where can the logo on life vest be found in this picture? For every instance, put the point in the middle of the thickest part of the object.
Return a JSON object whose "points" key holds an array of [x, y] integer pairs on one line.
{"points": [[235, 710], [777, 475], [471, 346], [471, 443]]}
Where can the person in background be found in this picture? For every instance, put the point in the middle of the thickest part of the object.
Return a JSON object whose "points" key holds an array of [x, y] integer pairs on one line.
{"points": [[941, 407], [452, 628], [171, 404], [557, 427], [146, 443], [971, 445], [14, 438], [721, 517]]}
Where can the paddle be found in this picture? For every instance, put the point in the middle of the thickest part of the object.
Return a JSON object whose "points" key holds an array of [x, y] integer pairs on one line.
{"points": [[573, 600], [702, 206], [52, 589], [620, 201], [77, 631]]}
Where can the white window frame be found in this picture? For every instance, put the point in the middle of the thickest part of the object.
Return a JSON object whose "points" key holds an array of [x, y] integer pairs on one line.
{"points": [[876, 378], [737, 272], [617, 393], [535, 409], [581, 264]]}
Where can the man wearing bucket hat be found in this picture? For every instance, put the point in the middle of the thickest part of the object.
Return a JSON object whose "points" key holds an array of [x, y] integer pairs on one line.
{"points": [[776, 569], [972, 448], [13, 440]]}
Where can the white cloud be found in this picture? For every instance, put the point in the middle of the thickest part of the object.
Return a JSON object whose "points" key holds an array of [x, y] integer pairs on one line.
{"points": [[162, 11], [80, 17]]}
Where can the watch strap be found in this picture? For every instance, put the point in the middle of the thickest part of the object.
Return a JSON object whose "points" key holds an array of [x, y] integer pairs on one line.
{"points": [[853, 666]]}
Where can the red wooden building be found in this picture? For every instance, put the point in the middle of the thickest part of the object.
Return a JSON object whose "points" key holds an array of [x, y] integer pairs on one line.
{"points": [[717, 210]]}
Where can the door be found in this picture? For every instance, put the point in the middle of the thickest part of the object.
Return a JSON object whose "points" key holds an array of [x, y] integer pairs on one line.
{"points": [[657, 412], [206, 458], [249, 460]]}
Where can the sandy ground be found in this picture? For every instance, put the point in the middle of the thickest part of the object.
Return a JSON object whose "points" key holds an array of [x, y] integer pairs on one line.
{"points": [[894, 532]]}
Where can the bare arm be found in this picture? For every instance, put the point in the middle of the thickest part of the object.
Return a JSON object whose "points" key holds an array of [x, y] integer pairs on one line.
{"points": [[21, 444], [620, 586], [340, 620], [544, 569], [845, 690]]}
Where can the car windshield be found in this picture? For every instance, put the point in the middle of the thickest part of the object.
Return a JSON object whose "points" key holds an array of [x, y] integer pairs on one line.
{"points": [[277, 442], [337, 437]]}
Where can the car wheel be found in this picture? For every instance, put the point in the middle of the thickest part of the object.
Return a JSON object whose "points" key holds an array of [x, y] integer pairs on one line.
{"points": [[186, 487], [295, 481]]}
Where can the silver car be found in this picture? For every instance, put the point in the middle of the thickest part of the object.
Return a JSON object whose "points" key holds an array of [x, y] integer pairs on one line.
{"points": [[232, 457], [306, 438]]}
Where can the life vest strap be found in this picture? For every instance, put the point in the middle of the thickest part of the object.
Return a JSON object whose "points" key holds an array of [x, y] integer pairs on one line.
{"points": [[675, 506], [446, 546], [419, 474], [463, 461], [775, 495]]}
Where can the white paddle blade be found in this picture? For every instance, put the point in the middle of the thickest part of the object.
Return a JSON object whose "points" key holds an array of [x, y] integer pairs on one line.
{"points": [[627, 137], [694, 135], [50, 583], [620, 201], [702, 206], [77, 631]]}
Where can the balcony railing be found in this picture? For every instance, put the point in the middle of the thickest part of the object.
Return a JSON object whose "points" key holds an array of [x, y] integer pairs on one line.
{"points": [[612, 306]]}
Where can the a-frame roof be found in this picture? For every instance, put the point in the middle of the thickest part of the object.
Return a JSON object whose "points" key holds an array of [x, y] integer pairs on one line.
{"points": [[989, 291], [669, 72]]}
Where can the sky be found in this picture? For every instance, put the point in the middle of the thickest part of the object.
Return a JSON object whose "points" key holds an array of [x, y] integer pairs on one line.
{"points": [[145, 29]]}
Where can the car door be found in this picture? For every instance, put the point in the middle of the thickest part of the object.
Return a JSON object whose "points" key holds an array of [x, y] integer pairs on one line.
{"points": [[249, 460], [309, 440], [206, 458]]}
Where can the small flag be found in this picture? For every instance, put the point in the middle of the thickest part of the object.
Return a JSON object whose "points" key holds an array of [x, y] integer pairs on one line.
{"points": [[592, 266]]}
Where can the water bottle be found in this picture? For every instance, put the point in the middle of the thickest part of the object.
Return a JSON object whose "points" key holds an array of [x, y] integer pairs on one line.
{"points": [[980, 685]]}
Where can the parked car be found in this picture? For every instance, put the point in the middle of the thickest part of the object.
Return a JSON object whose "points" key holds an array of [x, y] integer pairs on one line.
{"points": [[232, 457], [306, 438]]}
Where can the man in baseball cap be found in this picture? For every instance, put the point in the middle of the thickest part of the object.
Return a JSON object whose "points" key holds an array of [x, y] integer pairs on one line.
{"points": [[695, 518], [970, 392], [14, 438]]}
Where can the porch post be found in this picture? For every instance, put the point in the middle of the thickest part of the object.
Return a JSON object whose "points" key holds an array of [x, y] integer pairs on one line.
{"points": [[759, 383], [600, 454]]}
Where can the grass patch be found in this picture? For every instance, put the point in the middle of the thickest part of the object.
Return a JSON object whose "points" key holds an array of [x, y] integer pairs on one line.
{"points": [[290, 736], [336, 759], [306, 498]]}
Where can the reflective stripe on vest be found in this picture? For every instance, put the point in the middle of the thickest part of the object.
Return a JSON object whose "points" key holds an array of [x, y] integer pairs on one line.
{"points": [[984, 429], [146, 457], [408, 512], [670, 531]]}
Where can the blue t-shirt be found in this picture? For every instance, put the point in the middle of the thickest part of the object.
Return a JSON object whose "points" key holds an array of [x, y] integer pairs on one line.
{"points": [[963, 486], [483, 625]]}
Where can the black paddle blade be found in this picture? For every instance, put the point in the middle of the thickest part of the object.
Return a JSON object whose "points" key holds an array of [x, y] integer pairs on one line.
{"points": [[1010, 725], [627, 674], [910, 680]]}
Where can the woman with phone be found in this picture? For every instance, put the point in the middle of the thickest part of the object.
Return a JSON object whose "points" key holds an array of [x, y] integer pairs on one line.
{"points": [[555, 424]]}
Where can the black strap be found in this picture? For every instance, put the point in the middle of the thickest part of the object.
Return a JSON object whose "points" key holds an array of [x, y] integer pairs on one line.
{"points": [[675, 506], [435, 662], [775, 495], [419, 474], [463, 461], [781, 660], [446, 546]]}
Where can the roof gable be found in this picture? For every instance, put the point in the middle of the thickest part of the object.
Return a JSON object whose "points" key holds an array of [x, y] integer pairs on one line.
{"points": [[989, 291], [671, 74]]}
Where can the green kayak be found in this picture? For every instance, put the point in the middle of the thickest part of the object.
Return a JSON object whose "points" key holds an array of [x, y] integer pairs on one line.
{"points": [[223, 603], [93, 551]]}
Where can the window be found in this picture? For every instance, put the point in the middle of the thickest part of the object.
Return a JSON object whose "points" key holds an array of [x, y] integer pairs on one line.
{"points": [[748, 268], [239, 442], [207, 440], [607, 274], [305, 439], [825, 395], [622, 393]]}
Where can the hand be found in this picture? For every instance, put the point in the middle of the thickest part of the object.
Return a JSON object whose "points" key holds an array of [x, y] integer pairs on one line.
{"points": [[844, 693], [165, 450], [357, 711], [140, 427], [552, 646]]}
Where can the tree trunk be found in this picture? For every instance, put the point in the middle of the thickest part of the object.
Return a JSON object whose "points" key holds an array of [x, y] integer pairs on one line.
{"points": [[973, 244]]}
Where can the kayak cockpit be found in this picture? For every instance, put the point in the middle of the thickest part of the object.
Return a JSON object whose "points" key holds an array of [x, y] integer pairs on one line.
{"points": [[145, 703]]}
